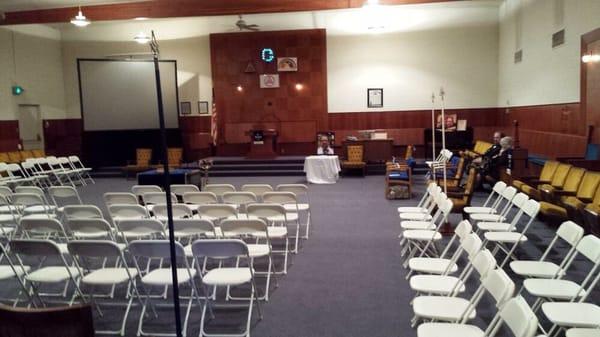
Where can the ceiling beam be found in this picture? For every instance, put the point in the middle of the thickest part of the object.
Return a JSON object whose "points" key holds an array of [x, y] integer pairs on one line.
{"points": [[186, 8]]}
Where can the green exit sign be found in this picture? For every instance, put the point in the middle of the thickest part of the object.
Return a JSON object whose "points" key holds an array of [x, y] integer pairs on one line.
{"points": [[17, 90]]}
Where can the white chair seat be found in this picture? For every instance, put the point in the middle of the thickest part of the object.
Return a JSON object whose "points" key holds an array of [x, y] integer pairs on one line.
{"points": [[279, 218], [227, 276], [7, 272], [552, 288], [89, 235], [431, 265], [421, 235], [7, 218], [580, 315], [436, 284], [506, 237], [39, 209], [275, 232], [442, 307], [479, 209], [162, 276], [257, 250], [108, 276], [495, 226], [413, 224], [52, 274], [540, 269], [448, 330], [477, 217], [39, 216], [292, 207], [412, 210], [415, 216], [581, 332], [10, 208]]}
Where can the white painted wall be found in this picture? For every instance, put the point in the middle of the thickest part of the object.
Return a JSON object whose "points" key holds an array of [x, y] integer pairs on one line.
{"points": [[31, 57], [545, 75], [409, 66], [193, 66]]}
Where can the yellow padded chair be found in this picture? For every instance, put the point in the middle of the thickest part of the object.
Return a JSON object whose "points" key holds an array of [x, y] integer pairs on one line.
{"points": [[557, 183], [587, 193], [591, 215], [556, 208], [14, 157], [355, 158], [38, 153], [142, 162], [545, 177], [175, 156], [3, 157], [26, 154], [480, 148], [462, 200]]}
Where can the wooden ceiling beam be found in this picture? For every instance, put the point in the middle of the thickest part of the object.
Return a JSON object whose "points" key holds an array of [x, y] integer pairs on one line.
{"points": [[186, 8]]}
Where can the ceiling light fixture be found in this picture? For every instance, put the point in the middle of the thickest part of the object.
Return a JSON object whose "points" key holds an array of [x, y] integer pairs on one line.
{"points": [[80, 20], [141, 38]]}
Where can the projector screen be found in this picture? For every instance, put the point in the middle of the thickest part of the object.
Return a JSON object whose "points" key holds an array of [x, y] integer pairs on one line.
{"points": [[121, 94]]}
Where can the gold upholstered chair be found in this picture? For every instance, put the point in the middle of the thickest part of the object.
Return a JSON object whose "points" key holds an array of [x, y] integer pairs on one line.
{"points": [[544, 178], [355, 158], [569, 205], [558, 181], [462, 198], [142, 162], [175, 156]]}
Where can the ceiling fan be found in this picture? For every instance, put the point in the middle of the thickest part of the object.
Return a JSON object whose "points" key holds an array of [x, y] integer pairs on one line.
{"points": [[241, 24]]}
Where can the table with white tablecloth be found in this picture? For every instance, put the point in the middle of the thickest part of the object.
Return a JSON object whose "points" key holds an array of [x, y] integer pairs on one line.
{"points": [[322, 169]]}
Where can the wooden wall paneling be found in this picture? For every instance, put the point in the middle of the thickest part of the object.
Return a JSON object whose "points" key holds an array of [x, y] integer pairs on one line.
{"points": [[63, 137], [9, 135], [565, 118], [185, 8], [553, 144]]}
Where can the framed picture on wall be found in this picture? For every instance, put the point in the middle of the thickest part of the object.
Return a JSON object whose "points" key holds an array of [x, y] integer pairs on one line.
{"points": [[203, 107], [375, 98], [185, 108]]}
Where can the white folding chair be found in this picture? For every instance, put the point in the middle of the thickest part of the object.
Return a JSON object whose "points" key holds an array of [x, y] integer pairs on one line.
{"points": [[502, 239], [123, 198], [301, 192], [457, 309], [491, 225], [30, 170], [239, 199], [120, 212], [179, 211], [98, 275], [222, 250], [290, 203], [45, 228], [74, 173], [45, 274], [219, 189], [272, 214], [140, 229], [561, 289], [140, 190], [9, 219], [32, 205], [257, 189], [200, 198], [10, 271], [63, 177], [493, 200], [64, 195], [423, 220], [424, 204], [511, 199], [191, 229], [516, 314], [18, 176], [84, 171], [180, 189], [82, 212], [217, 212], [150, 199], [568, 232], [161, 277], [250, 231], [90, 228]]}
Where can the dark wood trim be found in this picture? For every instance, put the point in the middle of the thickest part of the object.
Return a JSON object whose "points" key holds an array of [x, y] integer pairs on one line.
{"points": [[187, 8]]}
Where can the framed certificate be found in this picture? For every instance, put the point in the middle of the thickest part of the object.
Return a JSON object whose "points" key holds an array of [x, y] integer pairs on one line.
{"points": [[375, 98]]}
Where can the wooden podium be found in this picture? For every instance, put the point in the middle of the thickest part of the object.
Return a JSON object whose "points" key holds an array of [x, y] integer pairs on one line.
{"points": [[263, 143]]}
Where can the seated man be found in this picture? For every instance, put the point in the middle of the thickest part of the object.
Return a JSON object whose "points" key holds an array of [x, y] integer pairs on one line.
{"points": [[503, 159], [491, 152], [324, 147]]}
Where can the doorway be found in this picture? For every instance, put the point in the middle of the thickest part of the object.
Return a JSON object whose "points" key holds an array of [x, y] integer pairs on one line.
{"points": [[30, 127]]}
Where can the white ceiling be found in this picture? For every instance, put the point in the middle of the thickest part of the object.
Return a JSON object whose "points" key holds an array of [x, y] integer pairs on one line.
{"points": [[24, 5], [337, 22]]}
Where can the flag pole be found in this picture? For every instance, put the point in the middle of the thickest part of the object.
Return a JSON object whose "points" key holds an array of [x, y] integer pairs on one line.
{"points": [[445, 160], [433, 127]]}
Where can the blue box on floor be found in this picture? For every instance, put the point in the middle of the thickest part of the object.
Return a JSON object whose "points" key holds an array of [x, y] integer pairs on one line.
{"points": [[178, 176]]}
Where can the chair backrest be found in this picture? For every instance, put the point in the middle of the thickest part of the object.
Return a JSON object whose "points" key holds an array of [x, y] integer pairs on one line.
{"points": [[143, 156], [64, 195], [27, 199], [297, 189], [200, 198], [531, 208], [589, 246], [34, 247], [157, 198], [519, 317], [280, 198], [82, 212], [30, 189], [94, 248], [42, 226], [560, 175], [570, 232], [175, 156], [128, 211], [179, 211], [257, 189], [243, 227], [154, 249], [144, 227], [355, 153], [463, 228], [219, 211], [81, 226], [194, 226], [263, 211], [239, 198], [5, 191], [588, 185], [446, 206], [472, 244], [219, 249], [180, 189], [573, 179], [499, 285], [219, 189], [548, 170], [139, 190], [483, 262], [123, 198]]}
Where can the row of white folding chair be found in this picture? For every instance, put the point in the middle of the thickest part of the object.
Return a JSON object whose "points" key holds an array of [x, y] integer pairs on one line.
{"points": [[53, 171], [14, 176], [493, 201]]}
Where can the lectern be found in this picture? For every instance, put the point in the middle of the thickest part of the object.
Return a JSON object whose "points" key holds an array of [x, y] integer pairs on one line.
{"points": [[263, 143]]}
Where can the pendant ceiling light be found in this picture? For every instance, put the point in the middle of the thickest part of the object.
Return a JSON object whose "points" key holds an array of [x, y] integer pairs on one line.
{"points": [[80, 20]]}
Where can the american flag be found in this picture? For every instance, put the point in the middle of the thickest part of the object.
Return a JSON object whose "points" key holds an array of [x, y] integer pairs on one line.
{"points": [[213, 123]]}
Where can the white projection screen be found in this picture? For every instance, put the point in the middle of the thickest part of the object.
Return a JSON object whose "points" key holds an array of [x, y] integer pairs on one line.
{"points": [[121, 94]]}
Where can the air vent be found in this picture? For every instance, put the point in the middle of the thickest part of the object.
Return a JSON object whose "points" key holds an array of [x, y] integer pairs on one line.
{"points": [[519, 56], [558, 38]]}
